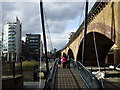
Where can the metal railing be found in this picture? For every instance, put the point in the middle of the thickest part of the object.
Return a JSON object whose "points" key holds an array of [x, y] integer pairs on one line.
{"points": [[50, 80], [89, 79]]}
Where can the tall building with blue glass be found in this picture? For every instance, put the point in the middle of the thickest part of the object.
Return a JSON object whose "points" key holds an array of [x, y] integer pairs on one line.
{"points": [[12, 40], [33, 46], [0, 42]]}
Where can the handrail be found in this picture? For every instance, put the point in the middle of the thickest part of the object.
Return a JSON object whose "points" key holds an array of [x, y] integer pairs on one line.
{"points": [[89, 79], [50, 80]]}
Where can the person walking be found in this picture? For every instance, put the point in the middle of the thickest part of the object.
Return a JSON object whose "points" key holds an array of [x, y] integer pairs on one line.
{"points": [[59, 62], [63, 59], [68, 62]]}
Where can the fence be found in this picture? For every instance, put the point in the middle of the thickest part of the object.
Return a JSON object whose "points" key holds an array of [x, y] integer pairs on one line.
{"points": [[11, 68], [89, 79], [31, 73], [50, 80]]}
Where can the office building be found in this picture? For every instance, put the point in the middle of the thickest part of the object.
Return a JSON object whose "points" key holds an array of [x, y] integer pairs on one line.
{"points": [[33, 46], [12, 40], [1, 43], [23, 55]]}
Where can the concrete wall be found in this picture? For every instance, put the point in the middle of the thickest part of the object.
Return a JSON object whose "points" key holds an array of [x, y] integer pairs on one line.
{"points": [[16, 82], [28, 75]]}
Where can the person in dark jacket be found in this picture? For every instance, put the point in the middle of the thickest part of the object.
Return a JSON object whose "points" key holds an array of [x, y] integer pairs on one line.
{"points": [[59, 62]]}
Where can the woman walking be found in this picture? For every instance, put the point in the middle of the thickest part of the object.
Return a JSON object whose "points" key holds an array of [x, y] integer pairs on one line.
{"points": [[63, 59]]}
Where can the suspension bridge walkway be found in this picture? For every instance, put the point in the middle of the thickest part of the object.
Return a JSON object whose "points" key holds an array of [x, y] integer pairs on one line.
{"points": [[68, 79], [76, 77]]}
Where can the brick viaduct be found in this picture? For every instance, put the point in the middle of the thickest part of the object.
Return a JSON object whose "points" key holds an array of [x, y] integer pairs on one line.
{"points": [[104, 24]]}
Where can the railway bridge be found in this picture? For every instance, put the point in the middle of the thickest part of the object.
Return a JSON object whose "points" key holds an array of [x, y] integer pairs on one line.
{"points": [[103, 29]]}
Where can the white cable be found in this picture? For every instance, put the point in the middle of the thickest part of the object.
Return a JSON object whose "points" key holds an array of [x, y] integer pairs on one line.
{"points": [[40, 60], [96, 52], [81, 17], [82, 50], [83, 32], [48, 31]]}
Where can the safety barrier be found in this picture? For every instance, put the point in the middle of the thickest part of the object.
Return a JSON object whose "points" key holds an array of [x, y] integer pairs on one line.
{"points": [[50, 80], [11, 68], [89, 79]]}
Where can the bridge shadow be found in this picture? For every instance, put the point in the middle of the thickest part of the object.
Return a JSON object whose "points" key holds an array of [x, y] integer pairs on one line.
{"points": [[103, 45]]}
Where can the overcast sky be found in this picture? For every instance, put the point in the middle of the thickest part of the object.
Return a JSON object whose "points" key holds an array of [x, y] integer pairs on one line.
{"points": [[62, 18]]}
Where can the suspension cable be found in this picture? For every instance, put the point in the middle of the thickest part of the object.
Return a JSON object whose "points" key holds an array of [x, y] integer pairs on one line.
{"points": [[83, 31], [49, 36], [40, 56], [81, 14], [96, 52]]}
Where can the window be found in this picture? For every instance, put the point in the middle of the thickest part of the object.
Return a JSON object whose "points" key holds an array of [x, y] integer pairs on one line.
{"points": [[13, 39], [13, 26], [34, 37]]}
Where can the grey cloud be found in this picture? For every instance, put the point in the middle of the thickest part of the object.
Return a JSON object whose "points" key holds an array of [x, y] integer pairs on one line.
{"points": [[28, 13], [7, 11], [63, 11], [57, 26], [59, 16], [0, 14], [32, 26]]}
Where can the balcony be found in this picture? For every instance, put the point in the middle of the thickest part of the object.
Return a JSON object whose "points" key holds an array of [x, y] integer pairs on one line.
{"points": [[12, 26], [11, 30], [11, 43], [11, 40], [11, 33], [11, 37], [12, 49]]}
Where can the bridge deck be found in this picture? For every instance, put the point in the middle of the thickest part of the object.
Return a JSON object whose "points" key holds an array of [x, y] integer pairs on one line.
{"points": [[68, 79]]}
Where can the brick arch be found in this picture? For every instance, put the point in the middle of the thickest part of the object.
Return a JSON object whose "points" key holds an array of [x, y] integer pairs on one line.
{"points": [[70, 53], [103, 29], [103, 45], [64, 55]]}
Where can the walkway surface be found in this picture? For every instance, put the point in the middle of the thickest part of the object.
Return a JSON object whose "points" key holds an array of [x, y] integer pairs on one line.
{"points": [[67, 79], [30, 86]]}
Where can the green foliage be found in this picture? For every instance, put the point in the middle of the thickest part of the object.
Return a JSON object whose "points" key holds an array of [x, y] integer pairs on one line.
{"points": [[29, 63], [5, 67]]}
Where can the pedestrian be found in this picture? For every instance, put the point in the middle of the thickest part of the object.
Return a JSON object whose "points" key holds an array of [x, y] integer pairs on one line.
{"points": [[63, 59], [59, 62], [68, 62]]}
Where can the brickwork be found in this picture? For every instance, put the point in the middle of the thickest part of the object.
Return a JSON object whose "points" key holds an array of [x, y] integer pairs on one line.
{"points": [[106, 23]]}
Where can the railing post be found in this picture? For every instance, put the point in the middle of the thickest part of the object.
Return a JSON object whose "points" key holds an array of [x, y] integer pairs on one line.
{"points": [[21, 67], [13, 69]]}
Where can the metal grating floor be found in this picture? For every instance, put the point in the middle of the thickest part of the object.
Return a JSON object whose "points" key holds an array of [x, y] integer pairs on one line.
{"points": [[68, 79]]}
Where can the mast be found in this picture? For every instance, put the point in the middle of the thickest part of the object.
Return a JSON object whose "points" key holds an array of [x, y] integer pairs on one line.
{"points": [[44, 36], [85, 32]]}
